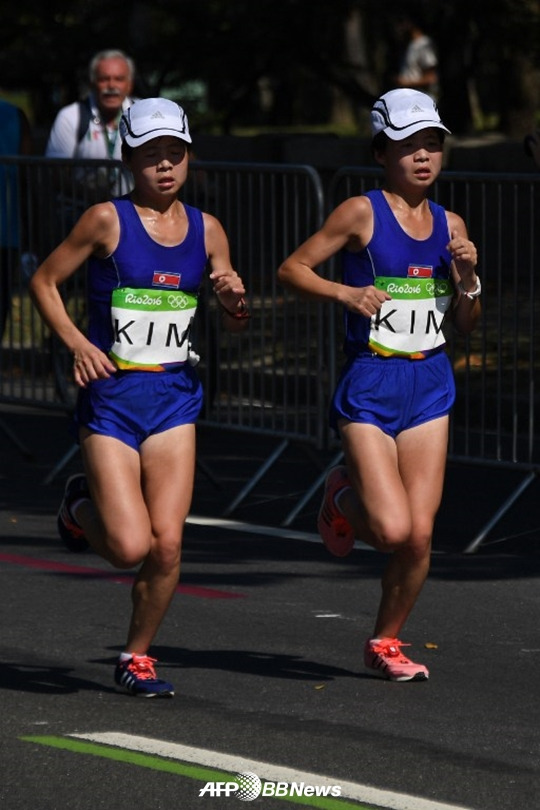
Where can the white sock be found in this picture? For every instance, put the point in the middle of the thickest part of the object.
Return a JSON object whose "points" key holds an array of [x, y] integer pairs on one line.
{"points": [[337, 498], [75, 505]]}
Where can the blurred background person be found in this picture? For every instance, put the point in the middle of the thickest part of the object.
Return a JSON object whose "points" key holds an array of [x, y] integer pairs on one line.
{"points": [[532, 146], [15, 139], [88, 128], [418, 66]]}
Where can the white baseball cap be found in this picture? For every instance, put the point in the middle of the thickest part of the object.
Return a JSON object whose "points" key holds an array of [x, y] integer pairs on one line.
{"points": [[150, 118], [402, 112]]}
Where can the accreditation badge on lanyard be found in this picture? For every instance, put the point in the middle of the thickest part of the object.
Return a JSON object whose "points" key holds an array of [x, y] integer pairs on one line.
{"points": [[411, 323], [151, 328]]}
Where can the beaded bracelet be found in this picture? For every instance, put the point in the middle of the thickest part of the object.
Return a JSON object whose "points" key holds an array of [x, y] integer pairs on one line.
{"points": [[239, 314]]}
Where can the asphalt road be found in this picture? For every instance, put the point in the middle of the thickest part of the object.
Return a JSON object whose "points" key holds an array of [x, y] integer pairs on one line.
{"points": [[263, 643]]}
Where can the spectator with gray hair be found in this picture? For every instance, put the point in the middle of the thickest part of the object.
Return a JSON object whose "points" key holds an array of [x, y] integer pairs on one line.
{"points": [[89, 128]]}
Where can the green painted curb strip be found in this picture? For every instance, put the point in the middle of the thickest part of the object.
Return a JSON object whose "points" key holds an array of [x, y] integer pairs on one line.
{"points": [[199, 773]]}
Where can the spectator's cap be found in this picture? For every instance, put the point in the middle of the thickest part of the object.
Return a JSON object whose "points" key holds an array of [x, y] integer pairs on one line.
{"points": [[403, 112], [151, 118]]}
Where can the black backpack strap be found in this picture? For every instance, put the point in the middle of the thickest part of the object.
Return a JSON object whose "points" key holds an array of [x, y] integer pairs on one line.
{"points": [[85, 116]]}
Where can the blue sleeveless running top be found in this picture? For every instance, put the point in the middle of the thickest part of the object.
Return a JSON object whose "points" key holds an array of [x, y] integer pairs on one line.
{"points": [[140, 263], [392, 253]]}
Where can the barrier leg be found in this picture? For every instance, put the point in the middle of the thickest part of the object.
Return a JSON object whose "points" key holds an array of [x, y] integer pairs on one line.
{"points": [[204, 468], [311, 492], [479, 539], [16, 441], [256, 478], [66, 458]]}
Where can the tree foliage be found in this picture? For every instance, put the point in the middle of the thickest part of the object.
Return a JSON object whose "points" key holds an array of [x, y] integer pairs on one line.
{"points": [[275, 62]]}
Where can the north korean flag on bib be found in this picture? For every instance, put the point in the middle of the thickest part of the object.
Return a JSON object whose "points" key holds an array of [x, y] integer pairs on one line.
{"points": [[166, 280], [419, 271]]}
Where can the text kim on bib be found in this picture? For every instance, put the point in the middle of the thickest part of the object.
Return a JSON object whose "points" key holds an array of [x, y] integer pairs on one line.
{"points": [[151, 328], [411, 323]]}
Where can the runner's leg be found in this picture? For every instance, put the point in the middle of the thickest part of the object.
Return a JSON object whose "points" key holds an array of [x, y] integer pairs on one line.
{"points": [[397, 491]]}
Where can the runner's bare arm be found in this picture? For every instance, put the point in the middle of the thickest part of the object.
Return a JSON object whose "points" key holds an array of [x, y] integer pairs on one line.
{"points": [[95, 232], [467, 310], [228, 286], [349, 225]]}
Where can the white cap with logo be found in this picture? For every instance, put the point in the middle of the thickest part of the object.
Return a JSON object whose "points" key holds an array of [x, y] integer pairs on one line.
{"points": [[402, 112], [150, 118]]}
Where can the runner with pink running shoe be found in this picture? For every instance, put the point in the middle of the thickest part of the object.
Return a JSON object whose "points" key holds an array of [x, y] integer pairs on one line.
{"points": [[408, 265]]}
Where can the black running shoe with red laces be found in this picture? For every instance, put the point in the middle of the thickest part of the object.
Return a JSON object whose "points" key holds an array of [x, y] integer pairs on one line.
{"points": [[68, 528], [137, 676]]}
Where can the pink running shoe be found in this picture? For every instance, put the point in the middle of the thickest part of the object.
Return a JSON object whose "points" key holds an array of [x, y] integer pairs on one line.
{"points": [[335, 530], [385, 659]]}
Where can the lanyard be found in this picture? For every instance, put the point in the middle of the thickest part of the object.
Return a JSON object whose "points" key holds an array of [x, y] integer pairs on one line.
{"points": [[110, 137]]}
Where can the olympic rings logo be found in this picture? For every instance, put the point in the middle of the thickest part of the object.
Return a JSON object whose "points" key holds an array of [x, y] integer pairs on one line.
{"points": [[437, 288], [179, 301]]}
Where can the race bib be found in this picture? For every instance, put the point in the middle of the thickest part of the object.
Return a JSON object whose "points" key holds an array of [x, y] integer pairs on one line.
{"points": [[151, 328], [411, 323]]}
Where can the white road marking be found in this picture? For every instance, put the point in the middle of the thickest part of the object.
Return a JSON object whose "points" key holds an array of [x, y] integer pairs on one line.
{"points": [[264, 770], [328, 616], [272, 531]]}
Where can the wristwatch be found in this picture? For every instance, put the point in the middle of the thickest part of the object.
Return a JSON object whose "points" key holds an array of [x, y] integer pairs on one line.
{"points": [[471, 293]]}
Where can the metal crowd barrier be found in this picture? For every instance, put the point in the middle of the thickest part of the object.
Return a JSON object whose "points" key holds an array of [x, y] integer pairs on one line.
{"points": [[276, 380], [40, 201]]}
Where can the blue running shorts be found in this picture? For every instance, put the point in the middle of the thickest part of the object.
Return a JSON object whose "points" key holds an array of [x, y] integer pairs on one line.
{"points": [[393, 393], [132, 405]]}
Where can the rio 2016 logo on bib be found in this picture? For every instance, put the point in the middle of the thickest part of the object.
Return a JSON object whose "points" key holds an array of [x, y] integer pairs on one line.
{"points": [[410, 324], [151, 328]]}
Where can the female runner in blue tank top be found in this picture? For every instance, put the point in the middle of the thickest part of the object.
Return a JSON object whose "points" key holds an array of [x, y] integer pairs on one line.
{"points": [[139, 393], [407, 264]]}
